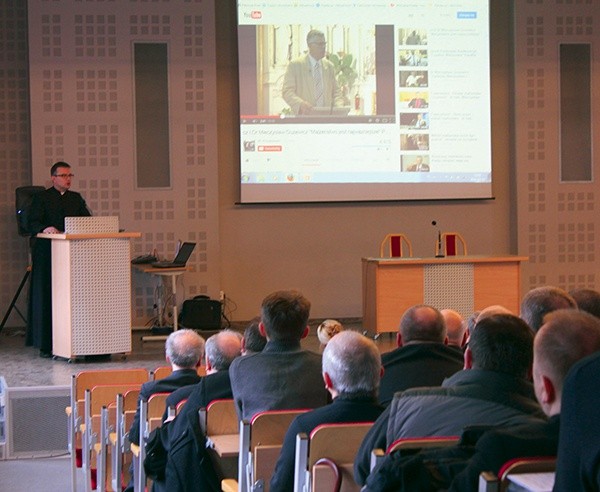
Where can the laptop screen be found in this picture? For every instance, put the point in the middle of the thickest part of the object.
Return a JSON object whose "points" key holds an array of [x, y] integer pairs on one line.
{"points": [[184, 253]]}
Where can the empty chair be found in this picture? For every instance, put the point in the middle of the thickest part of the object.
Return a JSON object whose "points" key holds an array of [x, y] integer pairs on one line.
{"points": [[395, 246], [162, 372], [452, 244], [75, 414], [326, 457]]}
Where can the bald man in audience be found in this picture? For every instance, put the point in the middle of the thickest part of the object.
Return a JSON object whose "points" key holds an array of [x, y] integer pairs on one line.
{"points": [[491, 390], [566, 337], [187, 460], [456, 328], [351, 373], [422, 358], [540, 301]]}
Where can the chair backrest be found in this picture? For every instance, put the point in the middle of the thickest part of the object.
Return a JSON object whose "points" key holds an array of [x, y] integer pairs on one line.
{"points": [[156, 408], [332, 449], [88, 379], [261, 440], [221, 418], [162, 372], [398, 245], [415, 443], [453, 244], [536, 464]]}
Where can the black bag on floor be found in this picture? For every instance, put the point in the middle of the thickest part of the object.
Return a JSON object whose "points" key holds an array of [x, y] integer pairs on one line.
{"points": [[201, 313]]}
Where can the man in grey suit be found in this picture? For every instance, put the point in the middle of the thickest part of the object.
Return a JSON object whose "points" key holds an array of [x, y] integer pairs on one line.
{"points": [[282, 376], [309, 80]]}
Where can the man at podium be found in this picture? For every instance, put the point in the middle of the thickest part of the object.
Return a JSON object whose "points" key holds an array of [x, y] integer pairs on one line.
{"points": [[48, 211]]}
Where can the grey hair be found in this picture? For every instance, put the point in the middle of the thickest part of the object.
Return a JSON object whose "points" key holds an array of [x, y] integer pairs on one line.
{"points": [[353, 363], [222, 348], [185, 348]]}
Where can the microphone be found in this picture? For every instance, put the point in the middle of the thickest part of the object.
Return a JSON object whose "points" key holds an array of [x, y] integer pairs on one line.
{"points": [[440, 251]]}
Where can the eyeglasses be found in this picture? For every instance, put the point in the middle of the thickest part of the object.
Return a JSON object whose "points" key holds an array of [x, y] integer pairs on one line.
{"points": [[64, 175]]}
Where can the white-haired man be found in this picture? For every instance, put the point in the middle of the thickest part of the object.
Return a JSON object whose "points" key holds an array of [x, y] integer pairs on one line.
{"points": [[351, 372]]}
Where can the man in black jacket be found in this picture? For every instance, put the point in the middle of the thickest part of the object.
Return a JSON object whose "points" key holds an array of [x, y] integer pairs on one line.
{"points": [[492, 389], [48, 211], [422, 358], [566, 337]]}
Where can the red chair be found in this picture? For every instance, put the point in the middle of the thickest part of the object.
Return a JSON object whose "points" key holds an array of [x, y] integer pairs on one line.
{"points": [[453, 244], [398, 245]]}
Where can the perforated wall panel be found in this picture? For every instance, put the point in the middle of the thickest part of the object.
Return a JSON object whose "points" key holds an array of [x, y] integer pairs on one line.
{"points": [[91, 225]]}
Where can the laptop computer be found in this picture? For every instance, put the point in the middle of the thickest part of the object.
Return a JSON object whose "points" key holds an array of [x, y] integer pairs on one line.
{"points": [[183, 255]]}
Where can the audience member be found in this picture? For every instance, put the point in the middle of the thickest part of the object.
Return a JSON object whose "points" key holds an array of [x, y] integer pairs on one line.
{"points": [[327, 330], [492, 389], [566, 337], [187, 458], [456, 328], [491, 311], [422, 358], [253, 341], [578, 462], [587, 300], [540, 301], [184, 350], [283, 375], [220, 351], [351, 372]]}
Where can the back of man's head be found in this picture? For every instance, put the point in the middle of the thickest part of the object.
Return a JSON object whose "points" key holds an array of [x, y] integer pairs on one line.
{"points": [[253, 341], [285, 315], [455, 327], [422, 324], [540, 301], [566, 337], [222, 348], [184, 348], [353, 364], [502, 343], [587, 300]]}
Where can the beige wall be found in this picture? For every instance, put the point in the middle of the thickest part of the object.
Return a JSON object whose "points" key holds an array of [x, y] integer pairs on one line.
{"points": [[253, 249]]}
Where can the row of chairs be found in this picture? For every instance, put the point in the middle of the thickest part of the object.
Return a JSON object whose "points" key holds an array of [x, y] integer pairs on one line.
{"points": [[249, 450], [101, 410], [398, 245]]}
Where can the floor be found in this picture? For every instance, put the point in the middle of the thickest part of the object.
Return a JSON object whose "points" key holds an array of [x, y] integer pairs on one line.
{"points": [[22, 366]]}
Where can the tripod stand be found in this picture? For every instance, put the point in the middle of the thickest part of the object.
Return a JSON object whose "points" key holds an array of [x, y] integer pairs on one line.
{"points": [[15, 298]]}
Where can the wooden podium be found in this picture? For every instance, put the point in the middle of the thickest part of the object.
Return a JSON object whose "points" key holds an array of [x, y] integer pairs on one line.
{"points": [[91, 292], [463, 283]]}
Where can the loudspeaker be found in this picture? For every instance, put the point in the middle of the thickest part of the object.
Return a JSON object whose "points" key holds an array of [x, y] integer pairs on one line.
{"points": [[34, 420], [201, 313], [23, 199]]}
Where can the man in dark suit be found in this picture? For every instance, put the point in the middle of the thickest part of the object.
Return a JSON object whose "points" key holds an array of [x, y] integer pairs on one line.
{"points": [[566, 337], [351, 372], [184, 350], [186, 460], [48, 211], [422, 358], [282, 376]]}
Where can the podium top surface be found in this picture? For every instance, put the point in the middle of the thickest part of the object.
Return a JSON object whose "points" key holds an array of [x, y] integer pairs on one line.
{"points": [[446, 259], [100, 235]]}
